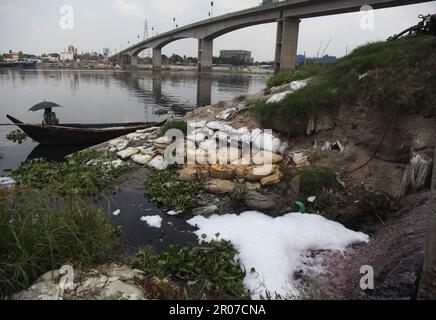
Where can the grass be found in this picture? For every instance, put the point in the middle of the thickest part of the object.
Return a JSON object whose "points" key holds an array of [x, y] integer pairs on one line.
{"points": [[72, 177], [175, 124], [161, 112], [165, 190], [41, 232], [210, 266], [393, 77], [316, 180]]}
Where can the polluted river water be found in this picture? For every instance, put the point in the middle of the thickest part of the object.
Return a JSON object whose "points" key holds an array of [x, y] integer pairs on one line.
{"points": [[111, 96]]}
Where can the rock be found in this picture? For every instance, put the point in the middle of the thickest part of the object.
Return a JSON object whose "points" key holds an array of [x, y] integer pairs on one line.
{"points": [[271, 180], [219, 126], [141, 159], [188, 173], [266, 157], [419, 144], [257, 201], [205, 211], [224, 115], [122, 290], [160, 146], [221, 171], [158, 163], [163, 141], [219, 186], [267, 142], [127, 153], [148, 151], [253, 186], [296, 184], [254, 173]]}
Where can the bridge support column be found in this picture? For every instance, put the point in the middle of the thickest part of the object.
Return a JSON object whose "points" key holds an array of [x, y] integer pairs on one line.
{"points": [[157, 59], [205, 53], [286, 46], [133, 61]]}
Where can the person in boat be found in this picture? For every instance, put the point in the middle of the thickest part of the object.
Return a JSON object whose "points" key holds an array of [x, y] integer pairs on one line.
{"points": [[50, 117]]}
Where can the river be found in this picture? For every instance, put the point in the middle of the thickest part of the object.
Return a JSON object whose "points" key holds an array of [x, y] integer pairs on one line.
{"points": [[110, 96], [107, 96]]}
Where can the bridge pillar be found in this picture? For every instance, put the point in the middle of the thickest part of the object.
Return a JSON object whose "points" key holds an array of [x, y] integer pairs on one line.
{"points": [[157, 59], [133, 61], [205, 53], [287, 44]]}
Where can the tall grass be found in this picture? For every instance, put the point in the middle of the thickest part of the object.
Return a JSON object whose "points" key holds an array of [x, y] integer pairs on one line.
{"points": [[39, 233], [393, 77]]}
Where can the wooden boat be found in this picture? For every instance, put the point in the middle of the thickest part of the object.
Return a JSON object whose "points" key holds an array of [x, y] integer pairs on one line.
{"points": [[79, 134]]}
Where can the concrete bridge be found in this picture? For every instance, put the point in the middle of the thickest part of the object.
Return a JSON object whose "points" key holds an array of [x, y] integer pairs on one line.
{"points": [[287, 15]]}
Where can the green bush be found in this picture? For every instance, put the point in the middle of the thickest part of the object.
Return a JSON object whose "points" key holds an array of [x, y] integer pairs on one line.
{"points": [[164, 189], [16, 136], [72, 177], [175, 124], [211, 265], [39, 233], [291, 115]]}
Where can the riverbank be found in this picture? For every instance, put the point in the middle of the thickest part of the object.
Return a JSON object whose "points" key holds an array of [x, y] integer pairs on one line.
{"points": [[174, 68], [334, 166]]}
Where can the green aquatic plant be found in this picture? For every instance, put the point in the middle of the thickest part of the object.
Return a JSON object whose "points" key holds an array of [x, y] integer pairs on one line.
{"points": [[175, 124], [16, 136], [161, 112], [165, 190], [40, 232], [85, 173], [210, 266]]}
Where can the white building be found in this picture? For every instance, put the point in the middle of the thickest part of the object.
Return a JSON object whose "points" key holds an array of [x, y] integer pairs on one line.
{"points": [[67, 56]]}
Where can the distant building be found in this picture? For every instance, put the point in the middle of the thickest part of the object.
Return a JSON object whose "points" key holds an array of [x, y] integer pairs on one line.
{"points": [[72, 50], [302, 59], [13, 56], [236, 55], [67, 56], [106, 53]]}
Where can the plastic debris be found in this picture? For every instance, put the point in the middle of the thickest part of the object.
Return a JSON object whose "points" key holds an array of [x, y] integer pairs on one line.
{"points": [[278, 97], [311, 199], [300, 158], [116, 213], [141, 159], [7, 182], [297, 85], [224, 115], [127, 153], [301, 206]]}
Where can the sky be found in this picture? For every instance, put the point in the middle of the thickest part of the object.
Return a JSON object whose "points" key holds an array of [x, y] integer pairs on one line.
{"points": [[42, 26]]}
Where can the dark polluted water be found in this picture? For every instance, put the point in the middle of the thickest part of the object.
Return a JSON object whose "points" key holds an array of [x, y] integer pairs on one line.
{"points": [[114, 96]]}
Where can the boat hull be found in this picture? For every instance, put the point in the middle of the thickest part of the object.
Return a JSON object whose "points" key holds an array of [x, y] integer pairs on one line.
{"points": [[78, 134]]}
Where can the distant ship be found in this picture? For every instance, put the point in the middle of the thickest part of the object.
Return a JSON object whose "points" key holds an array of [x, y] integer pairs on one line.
{"points": [[18, 64]]}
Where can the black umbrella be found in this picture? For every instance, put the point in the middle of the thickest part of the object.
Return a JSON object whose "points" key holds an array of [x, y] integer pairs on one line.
{"points": [[44, 105]]}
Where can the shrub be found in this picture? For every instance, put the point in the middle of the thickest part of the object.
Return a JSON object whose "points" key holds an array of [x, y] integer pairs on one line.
{"points": [[175, 124], [39, 233], [211, 265], [164, 189]]}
